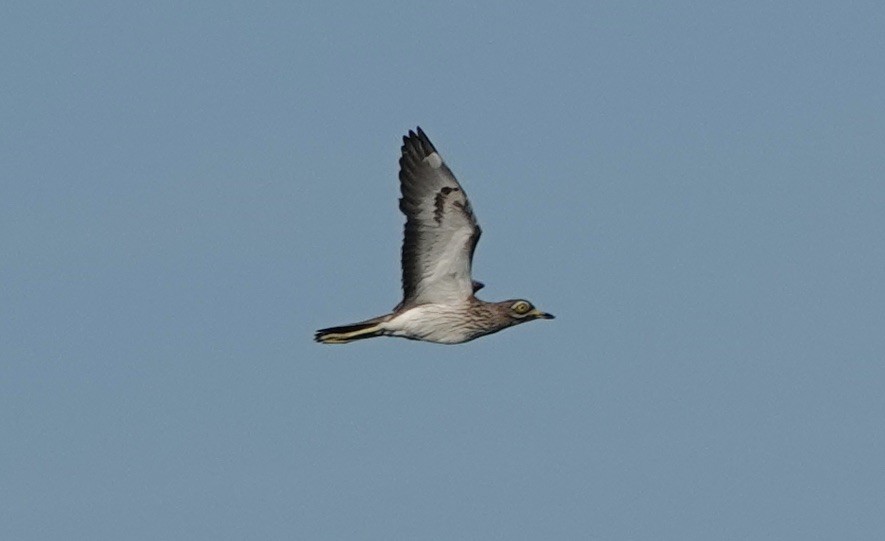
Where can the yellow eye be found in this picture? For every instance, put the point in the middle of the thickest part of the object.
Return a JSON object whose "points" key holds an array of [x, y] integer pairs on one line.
{"points": [[521, 307]]}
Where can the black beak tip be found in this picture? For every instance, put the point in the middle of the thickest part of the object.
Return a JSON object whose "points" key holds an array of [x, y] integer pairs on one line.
{"points": [[545, 315]]}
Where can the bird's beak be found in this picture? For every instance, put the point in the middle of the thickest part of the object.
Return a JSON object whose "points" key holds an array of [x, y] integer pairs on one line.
{"points": [[542, 315]]}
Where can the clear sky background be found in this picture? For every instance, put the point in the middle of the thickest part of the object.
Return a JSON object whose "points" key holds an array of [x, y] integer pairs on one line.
{"points": [[696, 190]]}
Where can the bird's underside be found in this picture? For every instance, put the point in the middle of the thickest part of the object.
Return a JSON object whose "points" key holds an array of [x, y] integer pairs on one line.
{"points": [[440, 237]]}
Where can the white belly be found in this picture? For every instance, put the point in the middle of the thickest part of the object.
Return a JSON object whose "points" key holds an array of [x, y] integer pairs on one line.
{"points": [[441, 323]]}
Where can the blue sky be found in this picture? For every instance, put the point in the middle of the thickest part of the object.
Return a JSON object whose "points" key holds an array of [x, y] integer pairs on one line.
{"points": [[694, 189]]}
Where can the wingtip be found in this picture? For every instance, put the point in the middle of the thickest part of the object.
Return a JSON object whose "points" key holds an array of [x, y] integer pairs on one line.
{"points": [[411, 136], [417, 139], [417, 133]]}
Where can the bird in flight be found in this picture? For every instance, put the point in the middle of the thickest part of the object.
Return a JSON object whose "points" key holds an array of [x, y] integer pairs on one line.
{"points": [[441, 233]]}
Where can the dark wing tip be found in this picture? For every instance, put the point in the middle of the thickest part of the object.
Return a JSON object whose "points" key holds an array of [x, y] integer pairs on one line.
{"points": [[418, 139], [428, 146]]}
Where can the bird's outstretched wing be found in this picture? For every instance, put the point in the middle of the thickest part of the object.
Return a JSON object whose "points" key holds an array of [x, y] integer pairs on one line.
{"points": [[440, 232]]}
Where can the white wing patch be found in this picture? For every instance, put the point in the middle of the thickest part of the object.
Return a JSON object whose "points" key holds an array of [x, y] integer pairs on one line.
{"points": [[446, 279], [434, 160]]}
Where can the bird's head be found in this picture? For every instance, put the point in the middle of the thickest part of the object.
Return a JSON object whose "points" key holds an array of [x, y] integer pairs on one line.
{"points": [[521, 310]]}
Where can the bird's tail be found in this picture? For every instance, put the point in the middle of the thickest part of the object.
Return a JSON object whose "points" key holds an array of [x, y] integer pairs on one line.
{"points": [[348, 333]]}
